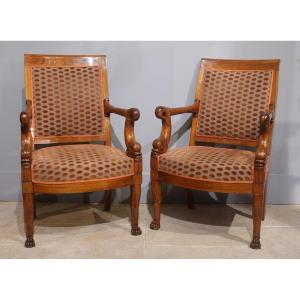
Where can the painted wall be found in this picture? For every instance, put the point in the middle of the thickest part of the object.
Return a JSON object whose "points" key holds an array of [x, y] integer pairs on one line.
{"points": [[147, 74]]}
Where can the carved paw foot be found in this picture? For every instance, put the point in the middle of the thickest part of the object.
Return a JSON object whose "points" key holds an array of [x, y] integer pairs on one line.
{"points": [[154, 225], [29, 243], [255, 244], [136, 231]]}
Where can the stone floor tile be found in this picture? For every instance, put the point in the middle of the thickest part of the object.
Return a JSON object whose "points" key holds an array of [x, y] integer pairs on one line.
{"points": [[201, 252]]}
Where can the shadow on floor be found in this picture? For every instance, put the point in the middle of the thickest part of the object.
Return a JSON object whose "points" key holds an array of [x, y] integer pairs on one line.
{"points": [[210, 210], [51, 212], [213, 209]]}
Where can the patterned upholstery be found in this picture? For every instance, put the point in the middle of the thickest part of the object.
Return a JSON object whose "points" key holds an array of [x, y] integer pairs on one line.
{"points": [[67, 101], [231, 103], [208, 163], [79, 163]]}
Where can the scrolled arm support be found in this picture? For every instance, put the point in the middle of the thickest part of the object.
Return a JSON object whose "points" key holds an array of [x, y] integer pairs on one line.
{"points": [[262, 151], [26, 137], [160, 145], [131, 115]]}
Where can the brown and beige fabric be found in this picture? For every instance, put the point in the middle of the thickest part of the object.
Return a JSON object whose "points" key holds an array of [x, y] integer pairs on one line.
{"points": [[79, 163], [235, 106], [208, 163], [67, 103]]}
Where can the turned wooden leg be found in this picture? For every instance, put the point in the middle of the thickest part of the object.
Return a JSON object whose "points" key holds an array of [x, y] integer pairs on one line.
{"points": [[257, 209], [28, 204], [156, 194], [107, 200], [190, 199], [135, 202]]}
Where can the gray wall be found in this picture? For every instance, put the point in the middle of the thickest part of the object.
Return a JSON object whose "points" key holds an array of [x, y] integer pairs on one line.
{"points": [[147, 74]]}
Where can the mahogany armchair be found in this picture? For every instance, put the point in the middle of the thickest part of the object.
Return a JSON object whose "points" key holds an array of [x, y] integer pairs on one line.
{"points": [[67, 104], [234, 105]]}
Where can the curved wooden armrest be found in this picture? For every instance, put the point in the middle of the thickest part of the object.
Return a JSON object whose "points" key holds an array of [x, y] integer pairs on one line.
{"points": [[263, 148], [26, 137], [131, 115], [160, 145]]}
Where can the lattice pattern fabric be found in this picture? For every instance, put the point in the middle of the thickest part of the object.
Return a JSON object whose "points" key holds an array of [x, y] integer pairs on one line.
{"points": [[209, 163], [67, 101], [79, 163], [231, 103]]}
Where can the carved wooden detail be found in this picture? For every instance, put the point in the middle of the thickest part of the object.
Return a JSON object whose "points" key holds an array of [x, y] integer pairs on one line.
{"points": [[131, 115], [160, 145]]}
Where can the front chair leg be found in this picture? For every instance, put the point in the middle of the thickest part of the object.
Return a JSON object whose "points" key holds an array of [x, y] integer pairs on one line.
{"points": [[34, 207], [28, 204], [264, 202], [257, 210], [156, 193], [107, 200], [135, 201]]}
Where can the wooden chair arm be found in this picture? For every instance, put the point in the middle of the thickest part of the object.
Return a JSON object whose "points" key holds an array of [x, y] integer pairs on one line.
{"points": [[264, 141], [131, 115], [26, 138], [160, 145]]}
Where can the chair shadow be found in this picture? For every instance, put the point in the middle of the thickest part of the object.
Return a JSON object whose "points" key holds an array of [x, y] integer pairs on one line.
{"points": [[51, 212], [208, 211]]}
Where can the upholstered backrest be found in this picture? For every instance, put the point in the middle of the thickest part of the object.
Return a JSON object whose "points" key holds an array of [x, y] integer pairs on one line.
{"points": [[67, 94], [232, 95]]}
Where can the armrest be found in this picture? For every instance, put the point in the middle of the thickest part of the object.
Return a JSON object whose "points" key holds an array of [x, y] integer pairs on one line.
{"points": [[264, 141], [131, 115], [26, 137], [160, 145]]}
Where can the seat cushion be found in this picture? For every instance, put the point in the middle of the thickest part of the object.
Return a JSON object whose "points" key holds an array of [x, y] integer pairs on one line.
{"points": [[208, 163], [79, 163]]}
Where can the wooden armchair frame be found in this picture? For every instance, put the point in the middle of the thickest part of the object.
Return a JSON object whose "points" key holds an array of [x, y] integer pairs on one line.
{"points": [[29, 140], [262, 145]]}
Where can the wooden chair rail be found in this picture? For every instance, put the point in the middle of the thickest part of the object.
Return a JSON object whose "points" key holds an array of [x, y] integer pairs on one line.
{"points": [[219, 187]]}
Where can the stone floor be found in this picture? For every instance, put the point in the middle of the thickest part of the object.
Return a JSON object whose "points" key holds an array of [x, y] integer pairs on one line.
{"points": [[76, 230]]}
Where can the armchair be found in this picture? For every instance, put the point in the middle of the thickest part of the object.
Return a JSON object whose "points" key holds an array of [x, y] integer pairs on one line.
{"points": [[234, 105], [67, 104]]}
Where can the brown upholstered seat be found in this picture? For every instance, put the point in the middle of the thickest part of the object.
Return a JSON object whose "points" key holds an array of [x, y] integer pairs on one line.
{"points": [[208, 163], [79, 163]]}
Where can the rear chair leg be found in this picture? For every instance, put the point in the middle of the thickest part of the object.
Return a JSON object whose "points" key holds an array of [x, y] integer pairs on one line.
{"points": [[86, 198], [107, 200], [190, 199], [28, 205], [135, 202], [156, 193]]}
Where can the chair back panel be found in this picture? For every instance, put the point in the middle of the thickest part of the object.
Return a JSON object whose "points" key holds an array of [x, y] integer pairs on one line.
{"points": [[67, 94], [232, 95]]}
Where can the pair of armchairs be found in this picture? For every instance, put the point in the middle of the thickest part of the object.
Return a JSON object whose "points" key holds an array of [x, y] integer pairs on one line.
{"points": [[67, 105]]}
